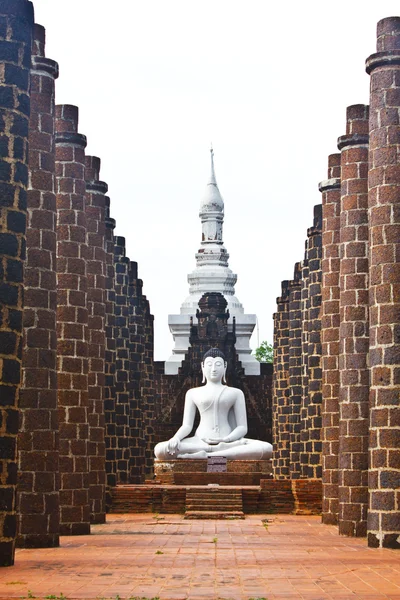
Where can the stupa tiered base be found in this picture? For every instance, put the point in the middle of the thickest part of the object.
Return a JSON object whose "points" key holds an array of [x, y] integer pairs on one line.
{"points": [[194, 472]]}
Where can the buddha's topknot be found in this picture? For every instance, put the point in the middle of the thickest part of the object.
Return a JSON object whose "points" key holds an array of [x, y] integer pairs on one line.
{"points": [[214, 353]]}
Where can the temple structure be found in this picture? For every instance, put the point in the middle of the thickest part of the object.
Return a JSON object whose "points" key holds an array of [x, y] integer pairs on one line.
{"points": [[212, 274]]}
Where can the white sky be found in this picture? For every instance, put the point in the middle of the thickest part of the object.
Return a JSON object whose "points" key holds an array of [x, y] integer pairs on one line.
{"points": [[267, 82]]}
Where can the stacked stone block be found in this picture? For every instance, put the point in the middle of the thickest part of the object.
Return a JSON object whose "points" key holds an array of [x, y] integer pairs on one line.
{"points": [[281, 390], [384, 287], [310, 457], [96, 304], [304, 305], [295, 380], [110, 357], [354, 333], [136, 350], [123, 384], [142, 374], [72, 323], [330, 324], [16, 25], [38, 479]]}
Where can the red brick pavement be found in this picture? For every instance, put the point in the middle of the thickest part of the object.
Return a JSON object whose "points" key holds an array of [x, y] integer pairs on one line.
{"points": [[136, 556]]}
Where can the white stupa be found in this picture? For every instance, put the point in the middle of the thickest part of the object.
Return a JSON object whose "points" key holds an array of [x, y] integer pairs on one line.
{"points": [[212, 274]]}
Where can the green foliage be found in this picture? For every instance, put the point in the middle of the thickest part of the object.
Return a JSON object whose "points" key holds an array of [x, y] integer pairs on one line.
{"points": [[265, 353]]}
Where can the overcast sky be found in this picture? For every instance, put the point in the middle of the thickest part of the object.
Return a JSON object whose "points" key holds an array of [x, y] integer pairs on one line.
{"points": [[267, 82]]}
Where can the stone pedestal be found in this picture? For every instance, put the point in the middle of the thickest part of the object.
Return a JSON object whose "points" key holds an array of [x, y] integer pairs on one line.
{"points": [[194, 472]]}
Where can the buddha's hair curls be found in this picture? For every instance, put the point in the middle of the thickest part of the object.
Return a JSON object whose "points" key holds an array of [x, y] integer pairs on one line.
{"points": [[214, 353]]}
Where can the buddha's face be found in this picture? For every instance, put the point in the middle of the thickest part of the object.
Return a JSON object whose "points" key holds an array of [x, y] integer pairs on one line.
{"points": [[214, 368]]}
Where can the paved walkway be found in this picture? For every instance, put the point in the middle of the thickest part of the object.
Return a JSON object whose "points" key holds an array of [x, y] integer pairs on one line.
{"points": [[136, 556]]}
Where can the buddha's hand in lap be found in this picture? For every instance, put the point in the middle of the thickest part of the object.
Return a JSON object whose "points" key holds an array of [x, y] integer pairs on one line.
{"points": [[173, 445], [213, 441]]}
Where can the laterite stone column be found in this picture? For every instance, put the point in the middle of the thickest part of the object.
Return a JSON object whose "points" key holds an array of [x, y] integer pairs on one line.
{"points": [[330, 323], [311, 433], [72, 323], [96, 302], [384, 273], [148, 387], [354, 331], [305, 306], [280, 426], [16, 26], [38, 477], [123, 383], [137, 404], [110, 358], [295, 371]]}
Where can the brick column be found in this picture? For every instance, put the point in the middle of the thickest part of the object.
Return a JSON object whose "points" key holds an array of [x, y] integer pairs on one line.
{"points": [[137, 402], [96, 300], [384, 273], [110, 358], [72, 323], [281, 435], [311, 433], [305, 306], [295, 382], [38, 480], [330, 322], [16, 26], [354, 335], [123, 383], [148, 387]]}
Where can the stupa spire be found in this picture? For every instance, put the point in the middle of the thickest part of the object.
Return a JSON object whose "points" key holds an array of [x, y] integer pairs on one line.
{"points": [[212, 274], [213, 180]]}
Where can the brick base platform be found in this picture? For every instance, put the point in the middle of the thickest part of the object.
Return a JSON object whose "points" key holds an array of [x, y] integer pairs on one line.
{"points": [[194, 472], [295, 496]]}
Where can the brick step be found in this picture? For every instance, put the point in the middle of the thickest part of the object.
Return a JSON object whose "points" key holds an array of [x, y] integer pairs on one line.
{"points": [[216, 501], [213, 514], [213, 506], [190, 498], [219, 497]]}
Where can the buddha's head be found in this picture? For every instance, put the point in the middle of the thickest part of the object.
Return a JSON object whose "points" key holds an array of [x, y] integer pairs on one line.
{"points": [[214, 365]]}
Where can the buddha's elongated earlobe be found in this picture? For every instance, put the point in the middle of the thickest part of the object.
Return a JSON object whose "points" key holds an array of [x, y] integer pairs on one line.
{"points": [[202, 370], [224, 375]]}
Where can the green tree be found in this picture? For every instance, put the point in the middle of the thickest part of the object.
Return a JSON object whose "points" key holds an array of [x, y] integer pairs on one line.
{"points": [[265, 352]]}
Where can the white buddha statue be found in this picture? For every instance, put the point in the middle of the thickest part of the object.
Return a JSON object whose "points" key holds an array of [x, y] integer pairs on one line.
{"points": [[223, 420]]}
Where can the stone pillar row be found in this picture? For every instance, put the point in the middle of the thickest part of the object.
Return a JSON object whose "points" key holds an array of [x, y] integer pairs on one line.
{"points": [[351, 344], [76, 333]]}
